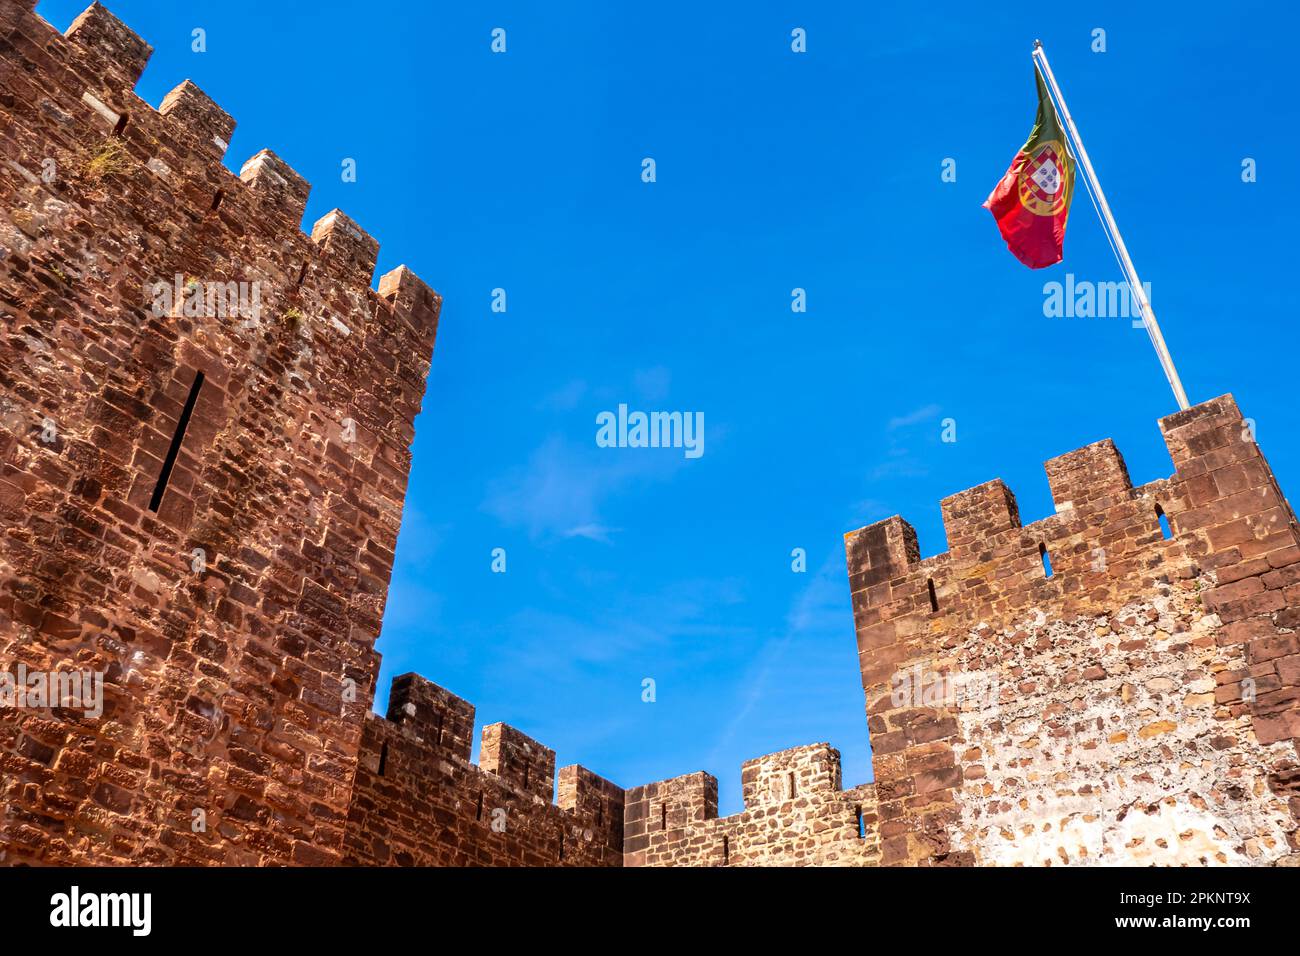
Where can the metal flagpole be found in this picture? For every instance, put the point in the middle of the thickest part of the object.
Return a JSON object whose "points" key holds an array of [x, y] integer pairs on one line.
{"points": [[1130, 274]]}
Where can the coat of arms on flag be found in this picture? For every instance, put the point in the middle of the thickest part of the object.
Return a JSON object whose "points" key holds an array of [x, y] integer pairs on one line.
{"points": [[1032, 201]]}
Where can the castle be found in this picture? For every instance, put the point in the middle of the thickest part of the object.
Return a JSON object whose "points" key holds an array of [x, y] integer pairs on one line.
{"points": [[200, 498]]}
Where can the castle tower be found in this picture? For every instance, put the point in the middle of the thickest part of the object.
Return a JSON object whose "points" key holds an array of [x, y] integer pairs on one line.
{"points": [[1118, 682], [205, 427]]}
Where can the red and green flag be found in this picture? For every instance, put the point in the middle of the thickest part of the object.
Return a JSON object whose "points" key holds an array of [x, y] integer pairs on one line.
{"points": [[1032, 201]]}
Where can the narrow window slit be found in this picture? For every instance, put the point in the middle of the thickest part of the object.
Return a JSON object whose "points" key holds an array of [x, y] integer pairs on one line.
{"points": [[561, 844], [862, 824], [663, 816], [1164, 523], [934, 598], [1047, 561], [726, 851], [383, 758], [216, 200], [165, 475], [478, 814], [121, 124], [302, 274], [791, 784], [526, 776], [440, 716]]}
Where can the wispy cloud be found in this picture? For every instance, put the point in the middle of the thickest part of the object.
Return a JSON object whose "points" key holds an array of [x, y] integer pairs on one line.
{"points": [[898, 460], [563, 489], [680, 615], [599, 652], [592, 532], [817, 610], [914, 417]]}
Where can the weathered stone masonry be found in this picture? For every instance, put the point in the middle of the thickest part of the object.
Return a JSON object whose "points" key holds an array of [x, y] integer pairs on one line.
{"points": [[1146, 706], [236, 624], [203, 506], [1081, 690], [419, 801], [795, 815]]}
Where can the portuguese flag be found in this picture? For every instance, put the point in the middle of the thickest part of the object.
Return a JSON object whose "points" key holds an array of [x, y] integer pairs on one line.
{"points": [[1032, 201]]}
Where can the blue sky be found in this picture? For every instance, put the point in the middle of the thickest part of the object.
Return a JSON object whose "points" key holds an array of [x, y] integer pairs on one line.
{"points": [[775, 170]]}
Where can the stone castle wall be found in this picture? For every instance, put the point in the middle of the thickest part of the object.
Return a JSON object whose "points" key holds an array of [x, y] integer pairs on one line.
{"points": [[419, 801], [234, 610], [796, 814], [201, 503], [1138, 704]]}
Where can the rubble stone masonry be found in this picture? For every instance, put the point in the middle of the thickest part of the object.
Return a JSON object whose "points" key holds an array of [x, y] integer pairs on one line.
{"points": [[1084, 689], [205, 425], [795, 815]]}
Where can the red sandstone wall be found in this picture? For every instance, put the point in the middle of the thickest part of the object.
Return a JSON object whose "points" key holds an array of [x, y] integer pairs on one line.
{"points": [[231, 727], [418, 801], [1109, 714], [795, 815], [1144, 703]]}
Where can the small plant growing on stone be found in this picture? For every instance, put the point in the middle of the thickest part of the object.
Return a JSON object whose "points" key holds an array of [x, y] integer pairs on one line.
{"points": [[109, 159]]}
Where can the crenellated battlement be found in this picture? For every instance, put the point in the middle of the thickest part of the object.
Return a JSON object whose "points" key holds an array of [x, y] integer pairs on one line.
{"points": [[796, 814], [1102, 526], [197, 118], [206, 417], [115, 53], [418, 800], [177, 149], [1007, 606], [435, 717], [789, 774]]}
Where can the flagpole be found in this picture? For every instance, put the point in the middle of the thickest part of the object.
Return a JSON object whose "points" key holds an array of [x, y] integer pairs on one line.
{"points": [[1108, 220]]}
